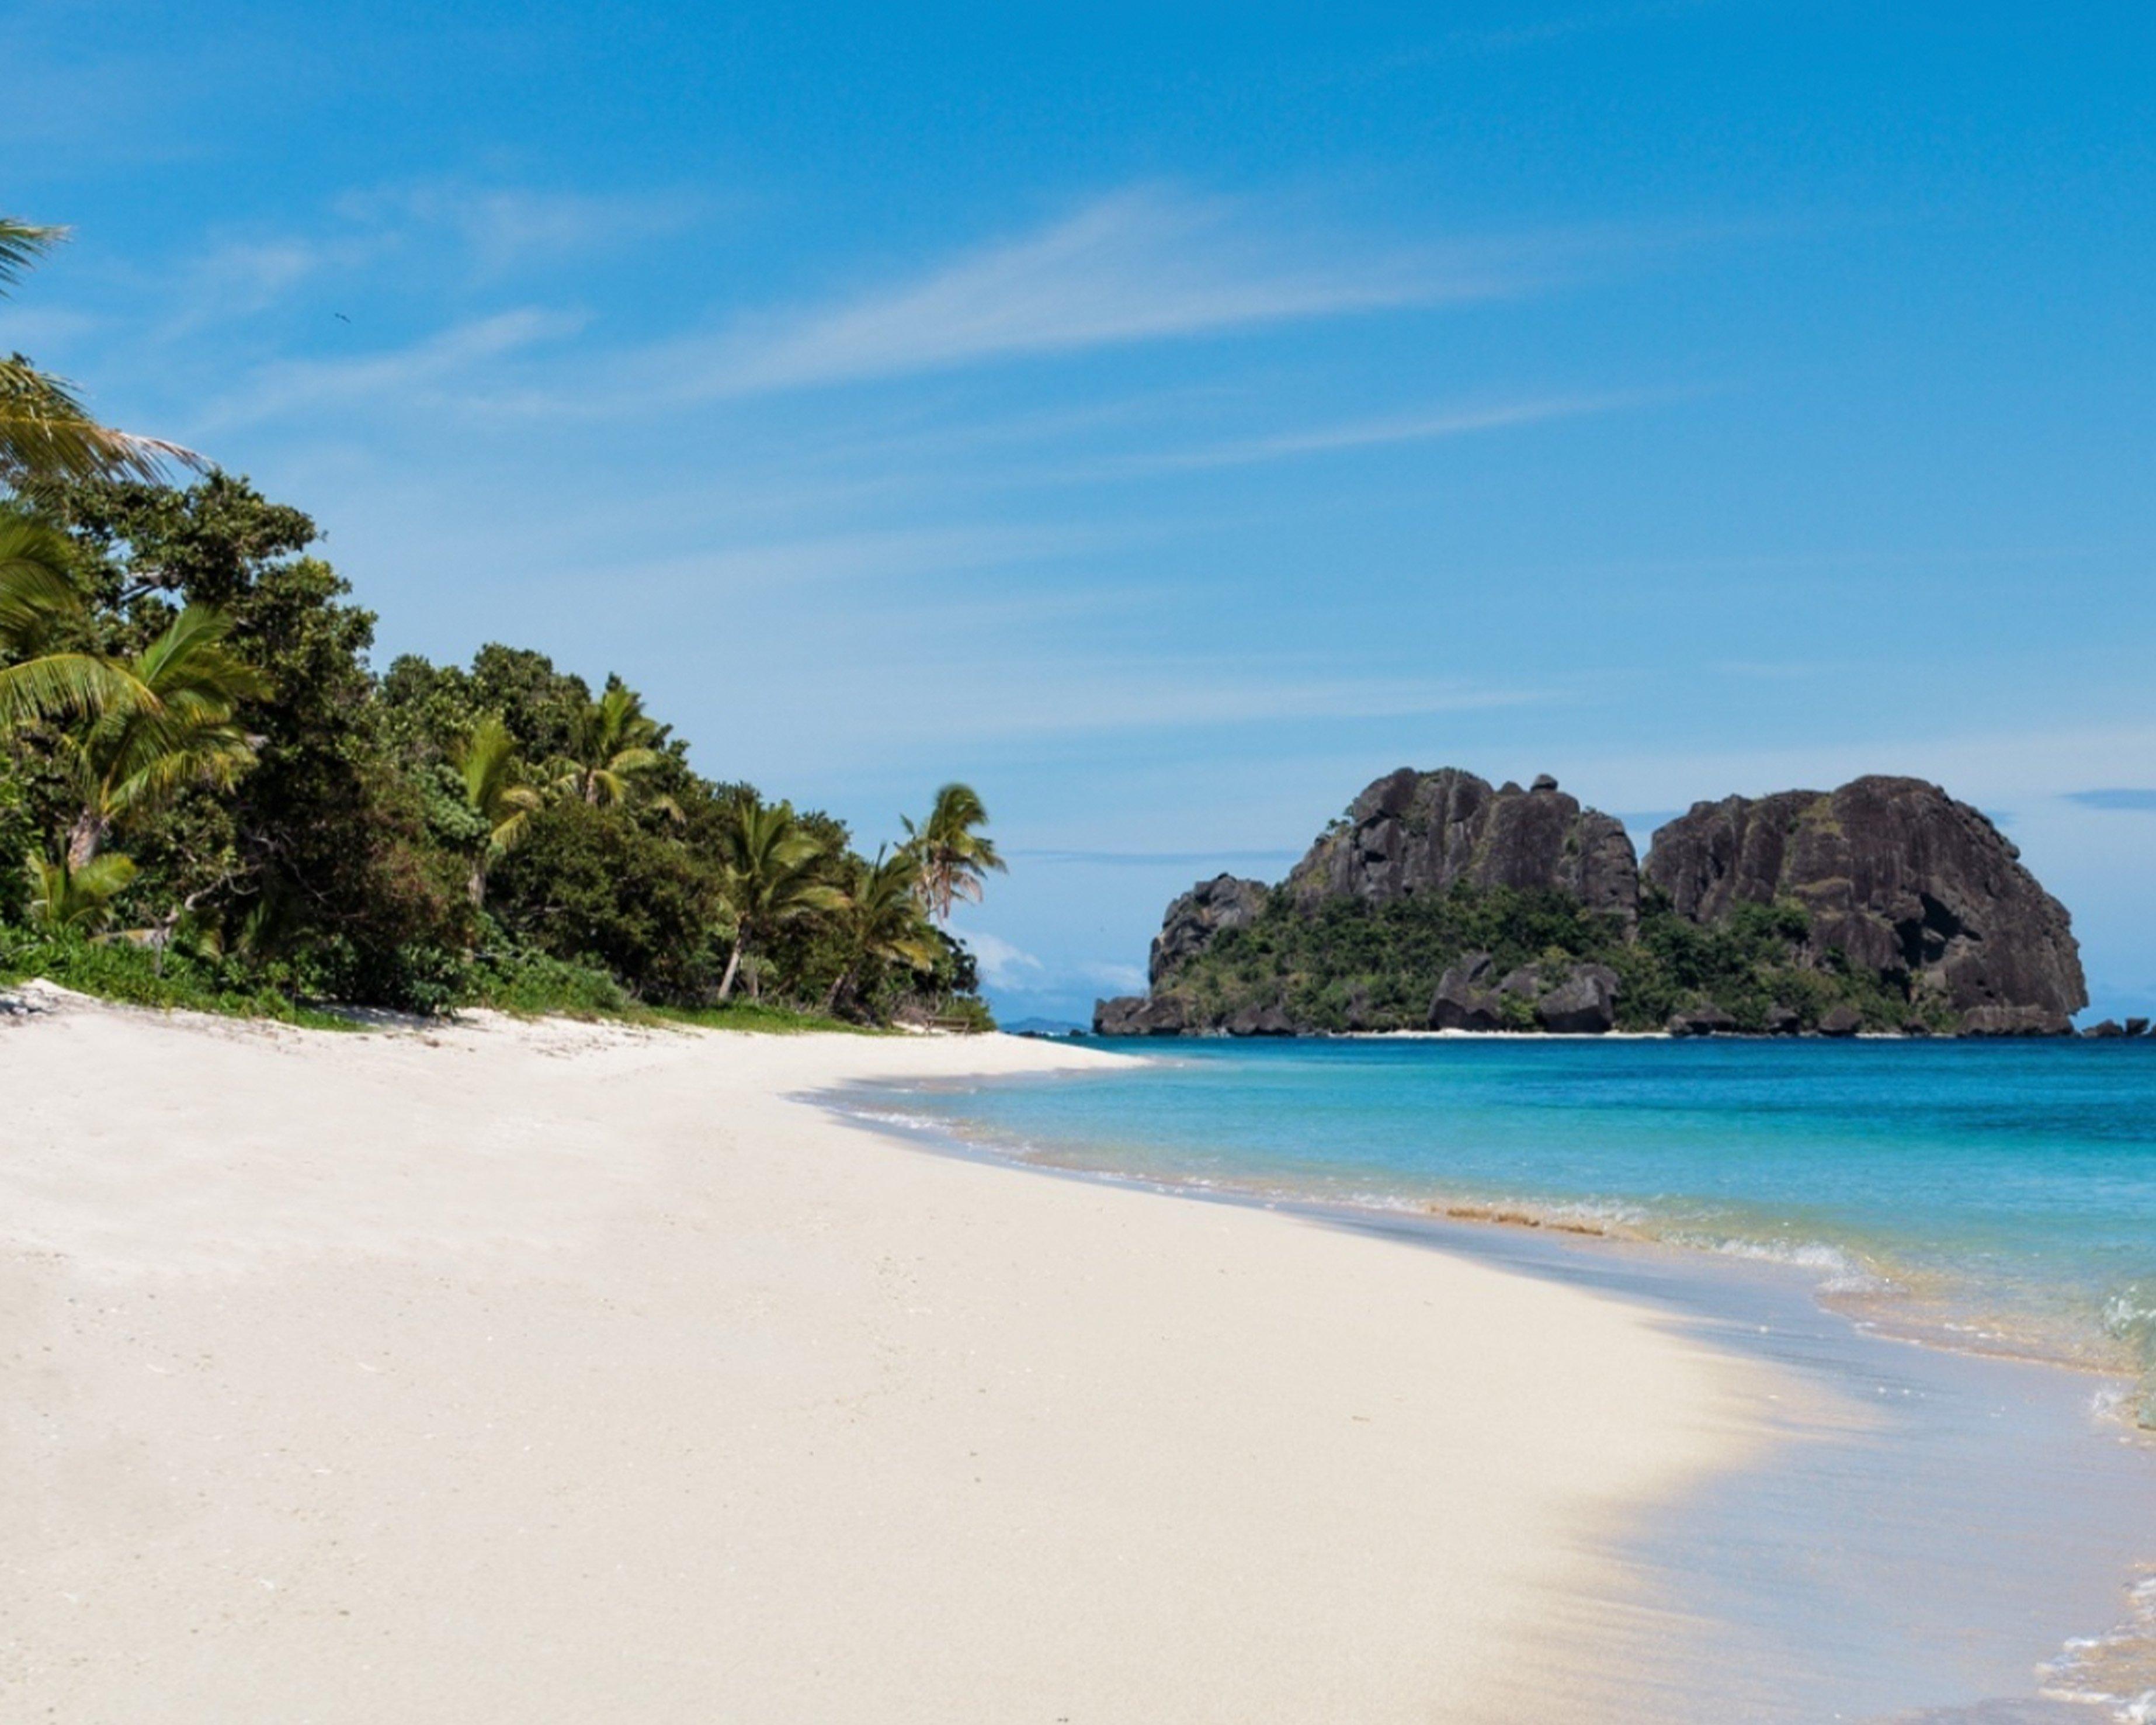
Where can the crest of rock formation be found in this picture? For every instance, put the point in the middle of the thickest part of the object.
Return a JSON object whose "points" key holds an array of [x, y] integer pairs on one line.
{"points": [[1211, 906], [1901, 877], [1423, 832]]}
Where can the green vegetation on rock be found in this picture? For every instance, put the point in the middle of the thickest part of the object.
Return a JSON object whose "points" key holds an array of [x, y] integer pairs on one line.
{"points": [[1348, 964]]}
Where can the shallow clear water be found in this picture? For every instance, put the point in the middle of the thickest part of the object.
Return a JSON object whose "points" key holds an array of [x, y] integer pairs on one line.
{"points": [[1947, 1536], [1998, 1194]]}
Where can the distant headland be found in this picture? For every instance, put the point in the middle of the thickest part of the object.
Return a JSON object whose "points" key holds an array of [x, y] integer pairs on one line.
{"points": [[1438, 902]]}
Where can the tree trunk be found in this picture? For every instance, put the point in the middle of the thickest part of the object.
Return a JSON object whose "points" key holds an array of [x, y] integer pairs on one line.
{"points": [[85, 838], [733, 969], [840, 984], [476, 886]]}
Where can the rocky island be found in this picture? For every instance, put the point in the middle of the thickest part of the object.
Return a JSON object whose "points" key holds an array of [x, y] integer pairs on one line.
{"points": [[1438, 901]]}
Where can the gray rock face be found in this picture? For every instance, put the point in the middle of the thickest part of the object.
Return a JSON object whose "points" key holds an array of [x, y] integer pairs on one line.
{"points": [[1583, 1004], [1899, 876], [1260, 1021], [1208, 909], [2106, 1029], [1140, 1016], [1467, 998], [1841, 1021], [1420, 832], [1704, 1021], [2015, 1021], [2137, 1027], [1571, 999]]}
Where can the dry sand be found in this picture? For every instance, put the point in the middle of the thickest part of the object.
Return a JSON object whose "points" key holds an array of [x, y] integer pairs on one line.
{"points": [[553, 1373]]}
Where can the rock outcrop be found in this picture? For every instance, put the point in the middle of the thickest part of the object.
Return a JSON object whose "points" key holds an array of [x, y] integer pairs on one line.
{"points": [[1467, 998], [1582, 1003], [1901, 880], [1210, 908], [1141, 1015], [1566, 999], [1421, 832], [1917, 916]]}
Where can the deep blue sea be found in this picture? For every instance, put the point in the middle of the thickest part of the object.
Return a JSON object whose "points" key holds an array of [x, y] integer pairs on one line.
{"points": [[1998, 1195]]}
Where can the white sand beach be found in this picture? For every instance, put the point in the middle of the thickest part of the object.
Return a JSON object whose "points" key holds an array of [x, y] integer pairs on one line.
{"points": [[548, 1372]]}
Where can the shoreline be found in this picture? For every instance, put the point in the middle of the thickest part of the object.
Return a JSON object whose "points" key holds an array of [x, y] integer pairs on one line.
{"points": [[1861, 1284], [2049, 1428], [543, 1372]]}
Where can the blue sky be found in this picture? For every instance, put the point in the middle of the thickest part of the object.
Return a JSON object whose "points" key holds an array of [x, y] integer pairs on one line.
{"points": [[1169, 420]]}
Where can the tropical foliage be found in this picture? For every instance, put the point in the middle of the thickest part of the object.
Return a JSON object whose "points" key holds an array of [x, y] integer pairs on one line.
{"points": [[1354, 965], [208, 794], [953, 856]]}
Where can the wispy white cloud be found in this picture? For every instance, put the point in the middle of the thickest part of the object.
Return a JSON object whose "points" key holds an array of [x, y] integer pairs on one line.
{"points": [[1003, 965], [1142, 265], [1370, 434], [419, 374], [883, 559], [502, 226]]}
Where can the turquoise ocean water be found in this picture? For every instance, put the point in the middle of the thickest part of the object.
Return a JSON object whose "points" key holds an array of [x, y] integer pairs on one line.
{"points": [[2001, 1196], [1978, 1547]]}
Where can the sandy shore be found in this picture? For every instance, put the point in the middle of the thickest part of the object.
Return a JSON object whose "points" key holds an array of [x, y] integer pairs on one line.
{"points": [[530, 1373]]}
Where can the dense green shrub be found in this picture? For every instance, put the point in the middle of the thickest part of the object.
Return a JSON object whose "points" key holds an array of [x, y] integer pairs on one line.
{"points": [[351, 859], [592, 884], [1347, 964]]}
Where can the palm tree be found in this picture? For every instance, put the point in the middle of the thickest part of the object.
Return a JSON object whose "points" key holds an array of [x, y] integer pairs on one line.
{"points": [[493, 778], [64, 896], [770, 863], [612, 741], [879, 919], [38, 598], [45, 431], [955, 859], [131, 761]]}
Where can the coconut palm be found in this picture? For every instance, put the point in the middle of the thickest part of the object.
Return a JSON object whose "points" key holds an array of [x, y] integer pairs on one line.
{"points": [[881, 918], [38, 599], [45, 431], [954, 858], [129, 761], [64, 896], [611, 742], [493, 778], [770, 881]]}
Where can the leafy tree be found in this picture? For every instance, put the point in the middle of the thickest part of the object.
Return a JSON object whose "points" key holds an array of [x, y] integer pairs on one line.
{"points": [[63, 895], [878, 919], [322, 848], [129, 763], [954, 857], [492, 775], [38, 600], [769, 862], [611, 742], [590, 884]]}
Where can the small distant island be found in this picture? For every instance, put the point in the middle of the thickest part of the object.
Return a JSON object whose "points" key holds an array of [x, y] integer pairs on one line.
{"points": [[1439, 902]]}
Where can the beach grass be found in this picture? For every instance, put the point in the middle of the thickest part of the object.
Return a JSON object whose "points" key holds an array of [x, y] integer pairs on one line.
{"points": [[134, 976]]}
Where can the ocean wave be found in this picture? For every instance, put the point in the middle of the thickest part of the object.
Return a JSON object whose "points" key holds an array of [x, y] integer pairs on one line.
{"points": [[2115, 1671], [1841, 1271]]}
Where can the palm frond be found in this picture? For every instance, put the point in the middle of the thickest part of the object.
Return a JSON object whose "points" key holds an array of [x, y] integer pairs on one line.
{"points": [[63, 684], [76, 898], [22, 244], [46, 432]]}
